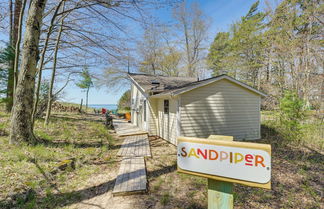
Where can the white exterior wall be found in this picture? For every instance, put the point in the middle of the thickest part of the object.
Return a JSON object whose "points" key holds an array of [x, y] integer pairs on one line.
{"points": [[167, 123], [221, 108], [137, 108], [153, 117]]}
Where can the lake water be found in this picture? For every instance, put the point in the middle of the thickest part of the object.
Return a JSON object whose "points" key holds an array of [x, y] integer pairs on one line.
{"points": [[106, 106]]}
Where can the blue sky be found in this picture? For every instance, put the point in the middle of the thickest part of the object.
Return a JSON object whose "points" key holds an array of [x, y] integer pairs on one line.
{"points": [[222, 14]]}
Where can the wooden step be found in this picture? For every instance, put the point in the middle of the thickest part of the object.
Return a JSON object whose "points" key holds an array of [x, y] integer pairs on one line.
{"points": [[131, 178]]}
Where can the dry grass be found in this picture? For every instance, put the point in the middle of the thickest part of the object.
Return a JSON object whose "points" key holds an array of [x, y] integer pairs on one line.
{"points": [[297, 172], [297, 180], [30, 176]]}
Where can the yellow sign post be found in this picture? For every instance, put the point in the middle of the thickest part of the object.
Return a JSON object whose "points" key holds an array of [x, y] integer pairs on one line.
{"points": [[224, 162]]}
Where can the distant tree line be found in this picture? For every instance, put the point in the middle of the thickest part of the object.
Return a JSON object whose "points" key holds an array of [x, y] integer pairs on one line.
{"points": [[275, 50]]}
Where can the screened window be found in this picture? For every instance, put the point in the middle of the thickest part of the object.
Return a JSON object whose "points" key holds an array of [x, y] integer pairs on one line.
{"points": [[144, 110], [166, 106]]}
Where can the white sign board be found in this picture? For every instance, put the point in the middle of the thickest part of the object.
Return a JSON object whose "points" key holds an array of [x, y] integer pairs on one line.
{"points": [[225, 159]]}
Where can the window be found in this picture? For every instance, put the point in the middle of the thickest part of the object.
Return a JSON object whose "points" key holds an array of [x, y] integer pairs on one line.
{"points": [[144, 110], [166, 106]]}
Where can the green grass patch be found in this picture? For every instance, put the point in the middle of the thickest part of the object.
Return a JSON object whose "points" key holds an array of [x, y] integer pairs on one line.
{"points": [[31, 175]]}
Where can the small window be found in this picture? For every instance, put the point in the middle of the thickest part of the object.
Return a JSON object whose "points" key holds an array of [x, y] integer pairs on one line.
{"points": [[144, 110], [166, 106]]}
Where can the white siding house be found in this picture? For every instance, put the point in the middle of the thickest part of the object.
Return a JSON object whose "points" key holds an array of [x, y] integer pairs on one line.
{"points": [[169, 107]]}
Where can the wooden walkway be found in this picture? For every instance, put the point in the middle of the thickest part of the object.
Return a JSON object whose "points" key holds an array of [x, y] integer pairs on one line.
{"points": [[135, 146], [132, 173], [131, 177], [123, 128]]}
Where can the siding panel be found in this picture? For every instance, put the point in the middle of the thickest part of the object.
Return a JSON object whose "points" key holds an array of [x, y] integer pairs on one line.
{"points": [[222, 108], [167, 123], [153, 117]]}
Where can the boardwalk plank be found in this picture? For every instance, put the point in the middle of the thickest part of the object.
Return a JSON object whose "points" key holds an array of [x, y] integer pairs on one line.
{"points": [[135, 146], [132, 177]]}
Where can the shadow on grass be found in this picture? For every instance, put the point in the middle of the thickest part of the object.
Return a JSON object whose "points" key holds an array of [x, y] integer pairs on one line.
{"points": [[282, 148], [289, 163], [61, 199], [84, 117], [49, 143]]}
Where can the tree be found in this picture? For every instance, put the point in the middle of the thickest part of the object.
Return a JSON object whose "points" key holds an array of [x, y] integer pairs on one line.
{"points": [[86, 83], [51, 87], [21, 128], [291, 114], [124, 102], [15, 19], [218, 52], [274, 50], [150, 50], [42, 62], [194, 31], [6, 56]]}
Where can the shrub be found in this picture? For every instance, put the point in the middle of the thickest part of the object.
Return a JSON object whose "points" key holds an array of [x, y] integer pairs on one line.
{"points": [[291, 115]]}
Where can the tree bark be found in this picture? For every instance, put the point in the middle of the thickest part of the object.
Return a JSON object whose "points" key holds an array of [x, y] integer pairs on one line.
{"points": [[81, 105], [87, 98], [18, 5], [10, 82], [50, 92], [21, 120], [10, 22], [17, 48]]}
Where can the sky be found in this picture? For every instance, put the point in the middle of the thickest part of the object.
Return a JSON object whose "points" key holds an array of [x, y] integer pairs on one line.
{"points": [[222, 14]]}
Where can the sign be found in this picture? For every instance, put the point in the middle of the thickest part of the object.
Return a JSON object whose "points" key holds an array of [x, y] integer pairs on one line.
{"points": [[238, 162]]}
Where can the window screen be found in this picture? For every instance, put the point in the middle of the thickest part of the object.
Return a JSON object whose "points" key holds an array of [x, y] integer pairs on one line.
{"points": [[166, 106], [144, 110]]}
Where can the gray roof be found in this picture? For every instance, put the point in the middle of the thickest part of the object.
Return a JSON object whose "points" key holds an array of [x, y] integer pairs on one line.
{"points": [[149, 82], [165, 86]]}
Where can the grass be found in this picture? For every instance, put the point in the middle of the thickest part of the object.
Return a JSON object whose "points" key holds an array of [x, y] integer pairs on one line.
{"points": [[26, 180], [27, 177], [297, 174], [312, 129]]}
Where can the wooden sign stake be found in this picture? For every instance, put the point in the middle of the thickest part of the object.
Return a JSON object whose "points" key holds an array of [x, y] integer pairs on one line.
{"points": [[220, 193]]}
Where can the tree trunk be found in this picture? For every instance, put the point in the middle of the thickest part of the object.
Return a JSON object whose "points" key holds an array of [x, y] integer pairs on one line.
{"points": [[17, 48], [81, 105], [13, 38], [18, 5], [87, 98], [50, 92], [10, 22], [41, 63], [9, 96], [21, 119]]}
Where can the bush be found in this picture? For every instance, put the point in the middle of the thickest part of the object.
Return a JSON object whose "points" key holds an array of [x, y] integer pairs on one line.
{"points": [[291, 115]]}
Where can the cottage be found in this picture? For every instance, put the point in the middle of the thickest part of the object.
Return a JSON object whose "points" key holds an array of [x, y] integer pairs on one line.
{"points": [[169, 107]]}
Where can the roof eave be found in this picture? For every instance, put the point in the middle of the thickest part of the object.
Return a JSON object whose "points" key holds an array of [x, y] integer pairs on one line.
{"points": [[182, 91], [136, 84]]}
